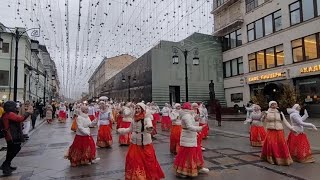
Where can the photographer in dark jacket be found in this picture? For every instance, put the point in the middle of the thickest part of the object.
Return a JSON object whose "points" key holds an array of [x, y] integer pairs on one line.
{"points": [[13, 133]]}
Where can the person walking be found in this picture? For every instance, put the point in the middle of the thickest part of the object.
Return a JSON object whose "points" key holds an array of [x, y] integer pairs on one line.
{"points": [[218, 112], [49, 113], [11, 124], [141, 160]]}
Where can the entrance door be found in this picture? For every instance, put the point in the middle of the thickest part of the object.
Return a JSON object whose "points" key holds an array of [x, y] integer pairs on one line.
{"points": [[174, 94]]}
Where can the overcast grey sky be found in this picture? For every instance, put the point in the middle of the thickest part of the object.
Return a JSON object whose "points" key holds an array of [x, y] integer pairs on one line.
{"points": [[107, 28]]}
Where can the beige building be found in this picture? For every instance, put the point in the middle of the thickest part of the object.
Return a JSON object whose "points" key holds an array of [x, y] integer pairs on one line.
{"points": [[106, 70], [268, 43]]}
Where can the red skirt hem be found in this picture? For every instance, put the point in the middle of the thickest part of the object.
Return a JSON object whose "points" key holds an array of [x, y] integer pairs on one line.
{"points": [[82, 151], [104, 138], [175, 138], [299, 148]]}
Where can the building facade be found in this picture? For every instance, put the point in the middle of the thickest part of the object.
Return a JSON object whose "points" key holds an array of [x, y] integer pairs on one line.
{"points": [[33, 81], [154, 77], [267, 43], [106, 70]]}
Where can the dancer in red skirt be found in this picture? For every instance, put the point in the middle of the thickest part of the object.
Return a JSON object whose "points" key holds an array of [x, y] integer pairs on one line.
{"points": [[62, 113], [187, 162], [204, 120], [175, 129], [257, 132], [196, 116], [91, 112], [104, 138], [298, 143], [166, 121], [83, 150], [275, 149], [124, 139], [141, 160]]}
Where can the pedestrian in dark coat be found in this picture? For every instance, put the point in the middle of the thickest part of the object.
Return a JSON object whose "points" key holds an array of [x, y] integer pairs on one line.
{"points": [[218, 112]]}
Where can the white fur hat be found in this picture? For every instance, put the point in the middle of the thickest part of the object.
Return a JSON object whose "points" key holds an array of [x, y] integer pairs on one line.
{"points": [[194, 105], [142, 105], [272, 102], [177, 105], [295, 106]]}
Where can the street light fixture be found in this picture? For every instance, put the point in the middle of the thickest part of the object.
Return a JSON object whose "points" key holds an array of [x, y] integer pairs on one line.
{"points": [[195, 62]]}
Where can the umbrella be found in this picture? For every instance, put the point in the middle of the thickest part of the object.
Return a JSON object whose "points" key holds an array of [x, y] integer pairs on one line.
{"points": [[103, 98]]}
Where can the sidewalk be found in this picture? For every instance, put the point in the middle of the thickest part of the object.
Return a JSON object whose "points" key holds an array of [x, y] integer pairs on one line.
{"points": [[3, 143]]}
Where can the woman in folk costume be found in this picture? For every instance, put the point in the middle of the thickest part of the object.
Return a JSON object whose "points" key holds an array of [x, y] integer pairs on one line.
{"points": [[62, 113], [204, 120], [257, 132], [156, 114], [141, 160], [175, 129], [249, 109], [124, 139], [91, 112], [275, 149], [49, 111], [83, 149], [77, 112], [187, 162], [96, 110], [104, 138], [166, 121], [298, 143], [196, 115], [119, 116]]}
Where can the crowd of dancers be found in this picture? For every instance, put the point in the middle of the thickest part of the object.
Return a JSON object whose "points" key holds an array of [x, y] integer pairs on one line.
{"points": [[275, 148], [136, 125], [188, 126]]}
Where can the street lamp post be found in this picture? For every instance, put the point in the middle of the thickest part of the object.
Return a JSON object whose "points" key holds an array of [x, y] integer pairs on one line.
{"points": [[129, 83], [17, 36], [175, 60], [44, 87]]}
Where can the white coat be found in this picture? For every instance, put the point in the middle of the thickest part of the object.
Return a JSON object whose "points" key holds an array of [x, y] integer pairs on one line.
{"points": [[189, 129]]}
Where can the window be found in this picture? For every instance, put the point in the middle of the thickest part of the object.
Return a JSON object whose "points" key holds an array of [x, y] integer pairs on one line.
{"points": [[264, 26], [251, 4], [303, 10], [232, 40], [237, 97], [306, 48], [233, 67], [5, 48], [266, 59], [4, 78]]}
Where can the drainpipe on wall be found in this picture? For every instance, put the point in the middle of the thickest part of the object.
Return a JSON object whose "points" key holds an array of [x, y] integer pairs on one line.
{"points": [[10, 67]]}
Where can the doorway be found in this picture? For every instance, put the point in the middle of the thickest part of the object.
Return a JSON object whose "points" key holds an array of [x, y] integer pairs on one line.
{"points": [[174, 94]]}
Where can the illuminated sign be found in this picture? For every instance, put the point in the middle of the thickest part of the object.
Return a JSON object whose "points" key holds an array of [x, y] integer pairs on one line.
{"points": [[267, 76], [310, 69]]}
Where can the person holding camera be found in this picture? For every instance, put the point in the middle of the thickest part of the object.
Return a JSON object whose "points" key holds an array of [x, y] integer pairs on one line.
{"points": [[11, 127]]}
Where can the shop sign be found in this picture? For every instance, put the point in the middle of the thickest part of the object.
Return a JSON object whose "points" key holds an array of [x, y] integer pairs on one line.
{"points": [[310, 69], [267, 76]]}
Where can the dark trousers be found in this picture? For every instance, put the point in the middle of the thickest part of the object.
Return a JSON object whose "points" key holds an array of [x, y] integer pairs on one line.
{"points": [[12, 150], [33, 119]]}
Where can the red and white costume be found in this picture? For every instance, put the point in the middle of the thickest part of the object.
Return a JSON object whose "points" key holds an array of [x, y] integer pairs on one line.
{"points": [[165, 121], [257, 132], [176, 129], [204, 121], [124, 139], [62, 113], [91, 112], [104, 138]]}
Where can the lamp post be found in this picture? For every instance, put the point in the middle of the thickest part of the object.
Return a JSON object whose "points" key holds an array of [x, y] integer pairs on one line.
{"points": [[17, 36], [175, 60], [44, 87], [129, 83]]}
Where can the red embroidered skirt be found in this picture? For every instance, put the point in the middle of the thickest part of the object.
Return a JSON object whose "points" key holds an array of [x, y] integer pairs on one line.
{"points": [[124, 139], [257, 135], [275, 149], [205, 130], [82, 151], [62, 115], [92, 117], [154, 124], [165, 123], [96, 114], [104, 138], [187, 162], [299, 148], [142, 163], [175, 138], [156, 117]]}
